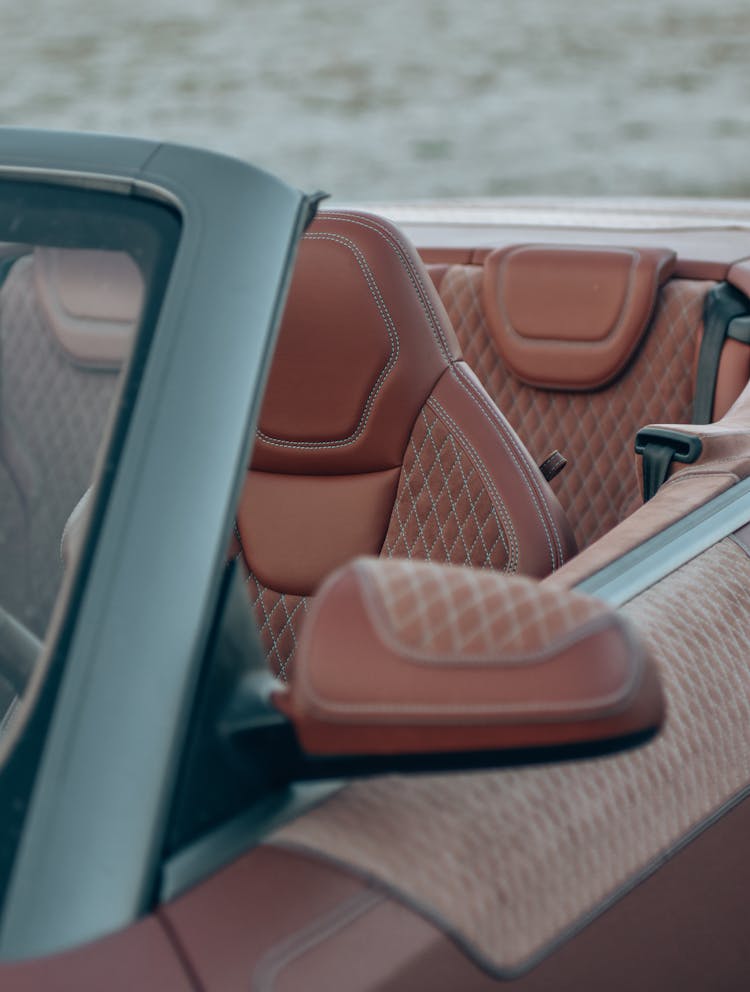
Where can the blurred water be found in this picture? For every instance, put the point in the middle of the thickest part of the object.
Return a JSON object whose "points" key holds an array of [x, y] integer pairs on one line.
{"points": [[404, 99]]}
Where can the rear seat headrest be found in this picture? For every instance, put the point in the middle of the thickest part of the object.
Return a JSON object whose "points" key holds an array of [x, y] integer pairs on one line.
{"points": [[570, 317], [92, 301]]}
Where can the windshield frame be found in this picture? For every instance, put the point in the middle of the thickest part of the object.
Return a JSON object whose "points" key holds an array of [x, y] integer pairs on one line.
{"points": [[88, 857]]}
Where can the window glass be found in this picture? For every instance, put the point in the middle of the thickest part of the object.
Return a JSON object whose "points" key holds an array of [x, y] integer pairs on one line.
{"points": [[81, 278]]}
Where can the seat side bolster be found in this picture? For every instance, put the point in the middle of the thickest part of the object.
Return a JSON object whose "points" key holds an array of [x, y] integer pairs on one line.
{"points": [[545, 537]]}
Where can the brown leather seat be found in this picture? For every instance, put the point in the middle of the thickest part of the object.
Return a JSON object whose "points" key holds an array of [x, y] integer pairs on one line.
{"points": [[375, 437]]}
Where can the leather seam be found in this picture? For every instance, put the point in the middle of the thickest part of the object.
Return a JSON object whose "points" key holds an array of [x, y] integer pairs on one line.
{"points": [[507, 436], [700, 473], [381, 620], [401, 252], [505, 527], [307, 938], [384, 372], [330, 710], [268, 614], [405, 484]]}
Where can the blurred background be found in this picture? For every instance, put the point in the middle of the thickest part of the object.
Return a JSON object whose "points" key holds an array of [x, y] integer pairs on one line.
{"points": [[402, 100]]}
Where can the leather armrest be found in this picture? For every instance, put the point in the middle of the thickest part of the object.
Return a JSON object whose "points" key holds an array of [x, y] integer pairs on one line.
{"points": [[400, 656]]}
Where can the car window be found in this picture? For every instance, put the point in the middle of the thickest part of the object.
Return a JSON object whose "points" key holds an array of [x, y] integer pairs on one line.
{"points": [[81, 274], [68, 317]]}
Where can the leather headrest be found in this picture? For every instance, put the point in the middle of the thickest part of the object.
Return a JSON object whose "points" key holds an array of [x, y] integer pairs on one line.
{"points": [[92, 302], [363, 340], [570, 317]]}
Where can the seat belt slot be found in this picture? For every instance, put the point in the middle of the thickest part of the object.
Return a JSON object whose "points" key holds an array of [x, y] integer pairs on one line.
{"points": [[658, 448]]}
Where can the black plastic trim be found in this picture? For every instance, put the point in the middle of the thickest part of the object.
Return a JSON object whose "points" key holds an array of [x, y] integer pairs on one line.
{"points": [[723, 304], [658, 448], [739, 330], [96, 822]]}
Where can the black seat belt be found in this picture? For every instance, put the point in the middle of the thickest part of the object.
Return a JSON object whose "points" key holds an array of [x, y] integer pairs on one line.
{"points": [[726, 314]]}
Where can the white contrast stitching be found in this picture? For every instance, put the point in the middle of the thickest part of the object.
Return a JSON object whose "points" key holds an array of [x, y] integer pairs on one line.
{"points": [[503, 430], [402, 254], [606, 621], [278, 957], [384, 372], [504, 534], [450, 423], [282, 661]]}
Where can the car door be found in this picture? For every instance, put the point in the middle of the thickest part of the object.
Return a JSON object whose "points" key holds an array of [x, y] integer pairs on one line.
{"points": [[101, 683]]}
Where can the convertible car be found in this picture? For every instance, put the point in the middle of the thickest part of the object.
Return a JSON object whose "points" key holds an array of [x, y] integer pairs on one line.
{"points": [[375, 585]]}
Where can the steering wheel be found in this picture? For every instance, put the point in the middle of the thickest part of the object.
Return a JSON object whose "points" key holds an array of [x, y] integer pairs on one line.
{"points": [[19, 650]]}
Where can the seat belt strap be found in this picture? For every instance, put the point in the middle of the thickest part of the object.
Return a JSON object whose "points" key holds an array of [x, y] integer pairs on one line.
{"points": [[724, 308]]}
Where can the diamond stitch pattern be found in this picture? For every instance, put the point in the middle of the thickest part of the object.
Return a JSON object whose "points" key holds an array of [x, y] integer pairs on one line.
{"points": [[461, 611], [443, 512], [278, 617], [595, 431]]}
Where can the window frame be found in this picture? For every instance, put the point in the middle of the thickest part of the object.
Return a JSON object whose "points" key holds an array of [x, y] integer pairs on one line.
{"points": [[88, 859]]}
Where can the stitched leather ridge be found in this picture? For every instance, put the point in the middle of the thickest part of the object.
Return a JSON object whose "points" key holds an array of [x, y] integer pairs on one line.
{"points": [[540, 493], [438, 614], [407, 255], [447, 507], [382, 375]]}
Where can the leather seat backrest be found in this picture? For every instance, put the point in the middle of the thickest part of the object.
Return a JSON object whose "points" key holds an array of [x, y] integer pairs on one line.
{"points": [[376, 438], [580, 346]]}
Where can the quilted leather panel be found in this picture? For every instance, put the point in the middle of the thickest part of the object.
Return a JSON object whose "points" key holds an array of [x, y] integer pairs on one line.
{"points": [[278, 617], [594, 431], [465, 612], [513, 860], [443, 511]]}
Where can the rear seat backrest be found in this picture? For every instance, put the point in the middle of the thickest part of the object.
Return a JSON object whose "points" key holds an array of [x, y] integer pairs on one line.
{"points": [[66, 324], [590, 414], [375, 438]]}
